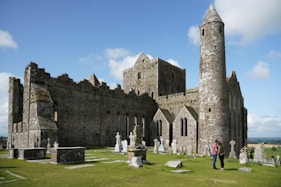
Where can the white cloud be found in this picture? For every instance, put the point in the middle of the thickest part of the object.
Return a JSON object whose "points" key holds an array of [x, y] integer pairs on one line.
{"points": [[249, 20], [4, 82], [259, 71], [117, 66], [7, 41], [194, 35], [173, 62], [116, 53], [273, 53], [119, 59], [264, 126]]}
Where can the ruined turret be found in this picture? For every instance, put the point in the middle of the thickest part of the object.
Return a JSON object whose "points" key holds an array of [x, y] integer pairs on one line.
{"points": [[213, 107]]}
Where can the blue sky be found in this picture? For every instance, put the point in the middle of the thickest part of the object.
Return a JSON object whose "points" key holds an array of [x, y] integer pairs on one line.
{"points": [[105, 37]]}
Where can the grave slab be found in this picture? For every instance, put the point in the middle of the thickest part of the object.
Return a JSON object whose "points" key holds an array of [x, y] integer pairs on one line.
{"points": [[245, 169], [174, 163], [180, 171]]}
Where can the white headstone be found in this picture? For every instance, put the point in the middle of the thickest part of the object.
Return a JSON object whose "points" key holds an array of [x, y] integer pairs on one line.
{"points": [[143, 143], [278, 160], [232, 153], [124, 146], [174, 163], [48, 145], [56, 144], [189, 150], [259, 155], [131, 136], [118, 146], [174, 146], [156, 145], [136, 162], [180, 151], [243, 156], [161, 147]]}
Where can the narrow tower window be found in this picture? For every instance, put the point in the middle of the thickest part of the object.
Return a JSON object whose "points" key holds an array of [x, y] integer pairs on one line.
{"points": [[139, 75], [56, 116], [159, 127], [181, 127], [203, 32], [185, 127]]}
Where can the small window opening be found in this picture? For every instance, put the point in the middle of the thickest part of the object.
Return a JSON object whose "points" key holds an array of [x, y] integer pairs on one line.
{"points": [[56, 116], [203, 32], [139, 75], [209, 109]]}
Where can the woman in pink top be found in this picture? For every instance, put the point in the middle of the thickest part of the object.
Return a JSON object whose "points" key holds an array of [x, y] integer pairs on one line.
{"points": [[215, 153]]}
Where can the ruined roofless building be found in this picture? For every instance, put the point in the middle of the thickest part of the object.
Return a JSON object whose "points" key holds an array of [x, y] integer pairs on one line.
{"points": [[89, 113]]}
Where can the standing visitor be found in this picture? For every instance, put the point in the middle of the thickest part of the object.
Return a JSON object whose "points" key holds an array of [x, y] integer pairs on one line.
{"points": [[214, 153], [221, 153]]}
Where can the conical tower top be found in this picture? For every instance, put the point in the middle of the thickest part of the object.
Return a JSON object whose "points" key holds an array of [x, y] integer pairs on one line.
{"points": [[212, 15]]}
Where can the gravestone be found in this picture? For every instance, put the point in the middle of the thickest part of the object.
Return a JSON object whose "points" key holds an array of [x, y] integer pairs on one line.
{"points": [[232, 153], [245, 169], [67, 155], [174, 163], [207, 150], [136, 151], [131, 137], [167, 143], [161, 147], [278, 160], [156, 146], [136, 162], [118, 146], [48, 145], [32, 153], [243, 156], [259, 155], [124, 146], [180, 171], [143, 143], [56, 145], [189, 150], [174, 146], [181, 151]]}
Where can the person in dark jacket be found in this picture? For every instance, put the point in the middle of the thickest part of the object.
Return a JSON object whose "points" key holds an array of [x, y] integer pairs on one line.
{"points": [[221, 153]]}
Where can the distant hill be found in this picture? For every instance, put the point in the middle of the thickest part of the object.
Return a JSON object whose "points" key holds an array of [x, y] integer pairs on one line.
{"points": [[266, 140]]}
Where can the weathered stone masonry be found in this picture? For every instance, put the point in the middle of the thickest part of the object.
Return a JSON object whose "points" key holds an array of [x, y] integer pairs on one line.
{"points": [[76, 114], [88, 113]]}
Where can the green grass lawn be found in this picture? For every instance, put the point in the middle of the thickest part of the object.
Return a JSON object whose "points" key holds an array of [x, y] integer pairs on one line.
{"points": [[155, 173]]}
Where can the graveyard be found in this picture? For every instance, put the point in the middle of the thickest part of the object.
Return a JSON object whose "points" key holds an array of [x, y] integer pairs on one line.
{"points": [[103, 166]]}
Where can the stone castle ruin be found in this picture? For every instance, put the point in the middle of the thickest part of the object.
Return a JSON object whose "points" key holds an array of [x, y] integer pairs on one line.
{"points": [[154, 96]]}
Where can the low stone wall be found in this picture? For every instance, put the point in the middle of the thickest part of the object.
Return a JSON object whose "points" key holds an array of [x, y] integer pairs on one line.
{"points": [[67, 155], [31, 153]]}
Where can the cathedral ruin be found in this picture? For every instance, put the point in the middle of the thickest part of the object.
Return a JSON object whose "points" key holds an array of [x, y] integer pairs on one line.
{"points": [[154, 96]]}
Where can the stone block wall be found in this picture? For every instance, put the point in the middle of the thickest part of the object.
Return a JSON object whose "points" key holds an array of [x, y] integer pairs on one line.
{"points": [[78, 114]]}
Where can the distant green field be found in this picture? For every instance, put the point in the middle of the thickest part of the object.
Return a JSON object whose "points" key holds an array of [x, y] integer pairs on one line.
{"points": [[19, 173]]}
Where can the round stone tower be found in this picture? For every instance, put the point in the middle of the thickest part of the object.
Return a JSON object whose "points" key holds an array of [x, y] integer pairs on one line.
{"points": [[213, 104]]}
